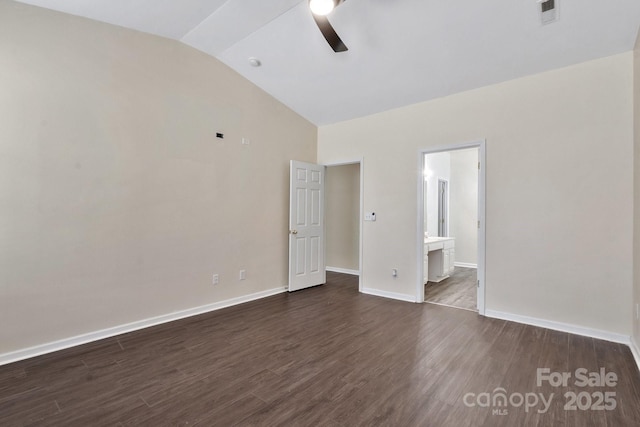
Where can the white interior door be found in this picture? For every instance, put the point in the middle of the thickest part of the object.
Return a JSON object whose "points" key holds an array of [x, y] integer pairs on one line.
{"points": [[306, 226]]}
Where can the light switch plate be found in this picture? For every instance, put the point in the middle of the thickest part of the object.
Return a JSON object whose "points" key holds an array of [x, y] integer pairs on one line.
{"points": [[370, 216]]}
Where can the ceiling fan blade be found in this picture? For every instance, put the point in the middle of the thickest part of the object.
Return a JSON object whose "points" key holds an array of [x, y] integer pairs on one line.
{"points": [[330, 34]]}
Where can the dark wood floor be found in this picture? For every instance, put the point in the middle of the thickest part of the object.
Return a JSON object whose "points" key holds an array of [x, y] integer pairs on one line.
{"points": [[459, 290], [326, 356]]}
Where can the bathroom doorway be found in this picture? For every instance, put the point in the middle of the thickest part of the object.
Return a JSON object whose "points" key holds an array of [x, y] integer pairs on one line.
{"points": [[451, 231]]}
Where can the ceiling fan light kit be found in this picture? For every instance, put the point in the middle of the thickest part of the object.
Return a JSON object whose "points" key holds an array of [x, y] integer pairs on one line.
{"points": [[319, 10], [322, 7]]}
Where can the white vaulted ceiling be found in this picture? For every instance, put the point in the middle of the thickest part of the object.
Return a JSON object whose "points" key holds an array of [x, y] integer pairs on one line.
{"points": [[400, 51]]}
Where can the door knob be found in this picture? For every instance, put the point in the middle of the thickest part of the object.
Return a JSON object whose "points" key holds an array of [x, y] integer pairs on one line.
{"points": [[293, 231]]}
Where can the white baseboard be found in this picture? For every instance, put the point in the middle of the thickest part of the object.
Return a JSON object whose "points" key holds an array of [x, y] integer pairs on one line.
{"points": [[465, 265], [635, 351], [391, 295], [562, 327], [343, 270], [50, 347]]}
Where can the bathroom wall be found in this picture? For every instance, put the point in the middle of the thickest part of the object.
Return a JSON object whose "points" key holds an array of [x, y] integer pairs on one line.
{"points": [[464, 205]]}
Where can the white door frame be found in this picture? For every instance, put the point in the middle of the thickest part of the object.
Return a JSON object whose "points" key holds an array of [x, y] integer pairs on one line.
{"points": [[358, 161], [481, 145]]}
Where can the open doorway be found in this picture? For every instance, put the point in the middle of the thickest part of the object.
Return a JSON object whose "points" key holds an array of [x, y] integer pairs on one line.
{"points": [[343, 206], [451, 231]]}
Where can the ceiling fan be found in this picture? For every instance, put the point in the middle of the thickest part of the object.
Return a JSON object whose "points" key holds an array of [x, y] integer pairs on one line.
{"points": [[320, 9]]}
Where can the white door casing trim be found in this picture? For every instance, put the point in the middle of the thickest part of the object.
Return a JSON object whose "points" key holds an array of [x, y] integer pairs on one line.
{"points": [[481, 145]]}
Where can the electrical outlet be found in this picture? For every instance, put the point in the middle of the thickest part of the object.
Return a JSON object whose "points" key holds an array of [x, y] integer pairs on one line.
{"points": [[394, 272], [216, 279], [243, 274]]}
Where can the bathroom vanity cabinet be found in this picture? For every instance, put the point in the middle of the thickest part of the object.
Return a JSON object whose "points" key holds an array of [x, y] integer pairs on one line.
{"points": [[439, 257]]}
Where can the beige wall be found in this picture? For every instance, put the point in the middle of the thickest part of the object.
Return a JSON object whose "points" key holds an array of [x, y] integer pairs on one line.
{"points": [[343, 216], [117, 202], [636, 229], [559, 147], [463, 203]]}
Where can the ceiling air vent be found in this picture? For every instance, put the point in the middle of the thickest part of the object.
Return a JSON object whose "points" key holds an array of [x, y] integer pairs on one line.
{"points": [[548, 11]]}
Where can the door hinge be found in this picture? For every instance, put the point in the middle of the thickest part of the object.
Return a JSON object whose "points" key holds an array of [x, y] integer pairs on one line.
{"points": [[478, 283], [478, 165], [478, 224]]}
